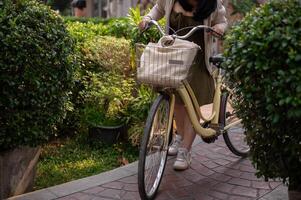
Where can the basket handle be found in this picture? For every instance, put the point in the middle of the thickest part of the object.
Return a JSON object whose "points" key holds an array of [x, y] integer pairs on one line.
{"points": [[166, 41]]}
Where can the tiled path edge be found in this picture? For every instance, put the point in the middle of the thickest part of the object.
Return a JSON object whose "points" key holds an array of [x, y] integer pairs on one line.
{"points": [[80, 185]]}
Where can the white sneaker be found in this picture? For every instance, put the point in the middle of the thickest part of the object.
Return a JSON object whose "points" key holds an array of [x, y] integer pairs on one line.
{"points": [[183, 160], [173, 148]]}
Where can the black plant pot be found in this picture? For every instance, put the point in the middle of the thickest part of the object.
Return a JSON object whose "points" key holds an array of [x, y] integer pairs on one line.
{"points": [[106, 134]]}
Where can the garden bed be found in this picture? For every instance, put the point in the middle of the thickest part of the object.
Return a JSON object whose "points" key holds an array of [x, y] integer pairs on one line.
{"points": [[69, 159]]}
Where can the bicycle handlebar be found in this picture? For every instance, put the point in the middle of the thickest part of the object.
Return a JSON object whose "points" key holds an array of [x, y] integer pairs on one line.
{"points": [[206, 28]]}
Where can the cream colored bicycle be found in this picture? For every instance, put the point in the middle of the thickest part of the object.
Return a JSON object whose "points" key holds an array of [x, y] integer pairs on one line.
{"points": [[158, 128]]}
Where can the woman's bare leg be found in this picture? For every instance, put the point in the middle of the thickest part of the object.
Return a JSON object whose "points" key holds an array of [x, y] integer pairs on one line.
{"points": [[184, 126], [178, 112], [189, 134]]}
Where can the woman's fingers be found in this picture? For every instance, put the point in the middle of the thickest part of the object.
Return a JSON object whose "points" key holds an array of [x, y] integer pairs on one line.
{"points": [[143, 24], [218, 32]]}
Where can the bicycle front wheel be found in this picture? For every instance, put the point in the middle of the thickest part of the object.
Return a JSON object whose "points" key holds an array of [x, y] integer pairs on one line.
{"points": [[153, 149], [234, 133]]}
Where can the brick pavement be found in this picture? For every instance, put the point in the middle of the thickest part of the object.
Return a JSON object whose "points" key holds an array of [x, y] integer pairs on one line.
{"points": [[215, 174]]}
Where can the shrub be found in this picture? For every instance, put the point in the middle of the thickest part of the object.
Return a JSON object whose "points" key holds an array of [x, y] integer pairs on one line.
{"points": [[137, 112], [36, 71], [106, 52], [263, 61], [94, 20], [107, 96], [88, 28], [105, 92], [86, 31], [119, 28], [139, 106]]}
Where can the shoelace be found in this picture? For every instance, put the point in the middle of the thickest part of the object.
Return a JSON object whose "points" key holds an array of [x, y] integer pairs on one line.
{"points": [[182, 155], [176, 143]]}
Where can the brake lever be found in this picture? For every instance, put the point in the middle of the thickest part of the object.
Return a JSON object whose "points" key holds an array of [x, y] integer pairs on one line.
{"points": [[215, 34]]}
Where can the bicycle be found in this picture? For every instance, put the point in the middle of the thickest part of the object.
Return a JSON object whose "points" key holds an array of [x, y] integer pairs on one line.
{"points": [[154, 145]]}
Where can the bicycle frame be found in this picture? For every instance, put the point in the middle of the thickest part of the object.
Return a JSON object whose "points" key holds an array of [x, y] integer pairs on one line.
{"points": [[195, 114]]}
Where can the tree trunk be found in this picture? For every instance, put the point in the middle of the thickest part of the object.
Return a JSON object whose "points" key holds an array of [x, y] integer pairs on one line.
{"points": [[17, 170]]}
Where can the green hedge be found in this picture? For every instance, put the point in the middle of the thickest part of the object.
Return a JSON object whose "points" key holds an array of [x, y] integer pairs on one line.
{"points": [[106, 90], [36, 72], [94, 20], [88, 27], [85, 28], [85, 31], [106, 52], [106, 98], [263, 61]]}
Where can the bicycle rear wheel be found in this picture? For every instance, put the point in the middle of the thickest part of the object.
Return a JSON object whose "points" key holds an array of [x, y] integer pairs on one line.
{"points": [[153, 149], [234, 136]]}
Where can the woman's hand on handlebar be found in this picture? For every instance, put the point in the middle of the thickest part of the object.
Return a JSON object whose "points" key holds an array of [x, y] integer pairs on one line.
{"points": [[143, 24], [218, 30]]}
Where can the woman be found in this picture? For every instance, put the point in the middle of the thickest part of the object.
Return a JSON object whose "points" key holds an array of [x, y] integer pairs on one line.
{"points": [[180, 14]]}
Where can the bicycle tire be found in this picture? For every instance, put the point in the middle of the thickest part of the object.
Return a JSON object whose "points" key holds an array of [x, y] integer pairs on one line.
{"points": [[150, 137], [231, 144]]}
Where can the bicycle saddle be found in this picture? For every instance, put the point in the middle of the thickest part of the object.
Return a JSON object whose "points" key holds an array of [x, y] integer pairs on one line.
{"points": [[217, 59]]}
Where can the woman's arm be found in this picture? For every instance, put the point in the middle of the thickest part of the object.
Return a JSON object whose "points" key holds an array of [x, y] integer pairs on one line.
{"points": [[157, 12], [219, 21]]}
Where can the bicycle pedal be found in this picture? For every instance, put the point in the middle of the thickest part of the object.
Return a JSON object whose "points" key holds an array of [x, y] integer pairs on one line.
{"points": [[209, 139], [217, 127], [219, 130]]}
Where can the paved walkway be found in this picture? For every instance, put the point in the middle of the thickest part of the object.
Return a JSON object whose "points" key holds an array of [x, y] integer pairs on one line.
{"points": [[215, 174]]}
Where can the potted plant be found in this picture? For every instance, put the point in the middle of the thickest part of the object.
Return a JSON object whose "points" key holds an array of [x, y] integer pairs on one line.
{"points": [[263, 62], [105, 122], [36, 73], [107, 96]]}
